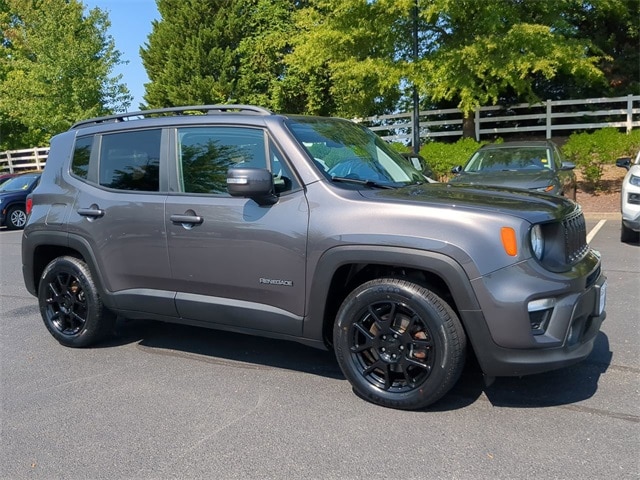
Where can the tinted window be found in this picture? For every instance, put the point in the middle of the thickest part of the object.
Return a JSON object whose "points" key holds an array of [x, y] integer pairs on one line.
{"points": [[81, 155], [206, 153], [131, 160]]}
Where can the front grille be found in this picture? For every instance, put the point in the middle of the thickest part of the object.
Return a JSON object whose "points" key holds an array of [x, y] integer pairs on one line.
{"points": [[575, 237]]}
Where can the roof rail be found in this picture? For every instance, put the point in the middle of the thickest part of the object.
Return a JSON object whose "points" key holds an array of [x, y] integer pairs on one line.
{"points": [[161, 112]]}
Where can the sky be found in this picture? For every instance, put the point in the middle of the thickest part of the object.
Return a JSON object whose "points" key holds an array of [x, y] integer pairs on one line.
{"points": [[130, 27]]}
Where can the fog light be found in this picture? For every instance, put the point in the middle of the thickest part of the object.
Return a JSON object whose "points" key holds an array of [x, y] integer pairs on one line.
{"points": [[539, 314]]}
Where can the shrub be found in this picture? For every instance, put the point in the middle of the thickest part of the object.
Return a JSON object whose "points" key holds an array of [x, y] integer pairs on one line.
{"points": [[442, 157], [591, 151]]}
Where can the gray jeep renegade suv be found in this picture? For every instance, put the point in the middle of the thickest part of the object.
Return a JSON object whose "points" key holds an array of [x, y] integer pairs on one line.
{"points": [[309, 229]]}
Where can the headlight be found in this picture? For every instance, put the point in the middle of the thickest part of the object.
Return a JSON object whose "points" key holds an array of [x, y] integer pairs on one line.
{"points": [[634, 180], [548, 188], [537, 241]]}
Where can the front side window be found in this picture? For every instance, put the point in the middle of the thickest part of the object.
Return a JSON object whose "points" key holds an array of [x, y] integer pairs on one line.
{"points": [[131, 160], [206, 153]]}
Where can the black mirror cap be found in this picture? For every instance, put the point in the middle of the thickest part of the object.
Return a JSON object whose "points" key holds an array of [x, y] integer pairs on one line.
{"points": [[457, 170], [624, 162], [254, 183]]}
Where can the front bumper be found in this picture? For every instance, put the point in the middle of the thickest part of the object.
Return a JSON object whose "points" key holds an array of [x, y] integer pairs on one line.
{"points": [[509, 340]]}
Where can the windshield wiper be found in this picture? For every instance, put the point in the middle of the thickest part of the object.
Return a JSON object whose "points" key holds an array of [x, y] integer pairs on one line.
{"points": [[368, 183]]}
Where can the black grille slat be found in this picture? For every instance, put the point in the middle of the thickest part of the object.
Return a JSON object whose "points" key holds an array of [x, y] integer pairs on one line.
{"points": [[575, 237]]}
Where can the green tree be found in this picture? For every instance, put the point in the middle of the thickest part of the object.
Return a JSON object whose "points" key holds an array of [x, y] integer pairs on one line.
{"points": [[471, 52], [55, 68], [222, 51]]}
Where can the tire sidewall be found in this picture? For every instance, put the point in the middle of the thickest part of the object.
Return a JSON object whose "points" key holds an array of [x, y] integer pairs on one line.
{"points": [[355, 305], [92, 327]]}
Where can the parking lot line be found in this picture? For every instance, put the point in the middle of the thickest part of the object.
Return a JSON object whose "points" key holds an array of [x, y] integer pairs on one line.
{"points": [[595, 230]]}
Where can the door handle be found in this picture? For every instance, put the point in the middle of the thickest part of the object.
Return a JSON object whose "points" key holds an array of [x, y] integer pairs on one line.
{"points": [[92, 212], [188, 219]]}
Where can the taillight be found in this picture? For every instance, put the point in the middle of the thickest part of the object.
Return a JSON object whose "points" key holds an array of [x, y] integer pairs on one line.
{"points": [[29, 205]]}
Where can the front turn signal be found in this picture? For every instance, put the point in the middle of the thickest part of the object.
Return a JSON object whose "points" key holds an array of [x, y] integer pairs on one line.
{"points": [[509, 242]]}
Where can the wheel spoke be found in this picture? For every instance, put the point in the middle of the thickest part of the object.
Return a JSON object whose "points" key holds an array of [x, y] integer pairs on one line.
{"points": [[384, 367], [384, 323], [358, 347]]}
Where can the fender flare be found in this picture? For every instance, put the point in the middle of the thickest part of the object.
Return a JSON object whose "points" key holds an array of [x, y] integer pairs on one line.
{"points": [[445, 267]]}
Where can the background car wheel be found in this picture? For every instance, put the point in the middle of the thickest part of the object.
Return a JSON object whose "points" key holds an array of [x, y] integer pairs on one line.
{"points": [[627, 235], [16, 218], [399, 344], [70, 305]]}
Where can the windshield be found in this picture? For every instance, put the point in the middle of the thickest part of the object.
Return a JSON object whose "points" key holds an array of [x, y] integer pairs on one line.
{"points": [[15, 184], [344, 150], [517, 158]]}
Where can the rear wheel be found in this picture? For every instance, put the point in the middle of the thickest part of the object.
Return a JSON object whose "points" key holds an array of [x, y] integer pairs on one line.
{"points": [[70, 305], [399, 344], [16, 217]]}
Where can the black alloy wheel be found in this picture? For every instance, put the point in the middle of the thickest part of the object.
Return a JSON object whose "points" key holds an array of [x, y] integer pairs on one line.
{"points": [[399, 344], [70, 305]]}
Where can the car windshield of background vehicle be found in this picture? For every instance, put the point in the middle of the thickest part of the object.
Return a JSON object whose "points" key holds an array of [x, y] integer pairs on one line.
{"points": [[509, 159], [16, 184]]}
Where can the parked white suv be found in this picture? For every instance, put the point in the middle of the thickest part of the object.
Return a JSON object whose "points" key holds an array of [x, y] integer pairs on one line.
{"points": [[630, 199]]}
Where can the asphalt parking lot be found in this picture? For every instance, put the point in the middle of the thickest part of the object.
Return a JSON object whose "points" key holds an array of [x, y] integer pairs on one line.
{"points": [[164, 401]]}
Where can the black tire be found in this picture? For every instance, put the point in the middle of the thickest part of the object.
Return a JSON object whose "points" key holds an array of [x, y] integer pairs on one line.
{"points": [[16, 217], [627, 235], [399, 344], [70, 305]]}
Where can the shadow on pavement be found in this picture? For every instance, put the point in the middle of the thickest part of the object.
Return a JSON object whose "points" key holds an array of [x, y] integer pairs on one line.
{"points": [[559, 387]]}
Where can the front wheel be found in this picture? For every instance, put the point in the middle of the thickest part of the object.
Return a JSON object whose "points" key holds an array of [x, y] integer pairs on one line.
{"points": [[70, 305], [399, 344]]}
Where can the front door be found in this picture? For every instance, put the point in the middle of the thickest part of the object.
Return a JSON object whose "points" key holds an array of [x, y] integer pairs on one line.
{"points": [[234, 262]]}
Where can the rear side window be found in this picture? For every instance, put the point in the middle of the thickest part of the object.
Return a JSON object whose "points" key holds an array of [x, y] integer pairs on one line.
{"points": [[131, 160], [81, 155]]}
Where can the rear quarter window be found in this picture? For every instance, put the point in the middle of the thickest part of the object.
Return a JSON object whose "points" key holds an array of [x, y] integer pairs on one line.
{"points": [[81, 156]]}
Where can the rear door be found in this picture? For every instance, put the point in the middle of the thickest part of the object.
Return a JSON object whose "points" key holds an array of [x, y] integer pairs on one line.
{"points": [[119, 214], [234, 262]]}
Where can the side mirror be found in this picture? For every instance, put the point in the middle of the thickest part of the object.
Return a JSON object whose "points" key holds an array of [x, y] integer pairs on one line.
{"points": [[457, 170], [253, 183], [567, 166], [624, 162], [416, 160]]}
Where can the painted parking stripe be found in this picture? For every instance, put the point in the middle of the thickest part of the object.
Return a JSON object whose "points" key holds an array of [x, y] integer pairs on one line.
{"points": [[595, 230]]}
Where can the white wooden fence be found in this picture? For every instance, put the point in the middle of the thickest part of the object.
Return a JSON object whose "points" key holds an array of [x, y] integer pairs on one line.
{"points": [[16, 161], [550, 118]]}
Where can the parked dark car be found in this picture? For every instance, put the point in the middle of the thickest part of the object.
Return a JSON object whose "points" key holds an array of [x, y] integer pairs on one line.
{"points": [[534, 165], [13, 198]]}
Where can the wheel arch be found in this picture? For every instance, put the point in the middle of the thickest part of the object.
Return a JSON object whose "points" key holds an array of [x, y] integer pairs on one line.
{"points": [[40, 248], [342, 269]]}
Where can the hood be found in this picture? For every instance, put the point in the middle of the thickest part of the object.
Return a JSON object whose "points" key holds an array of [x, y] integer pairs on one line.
{"points": [[532, 206], [526, 179]]}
